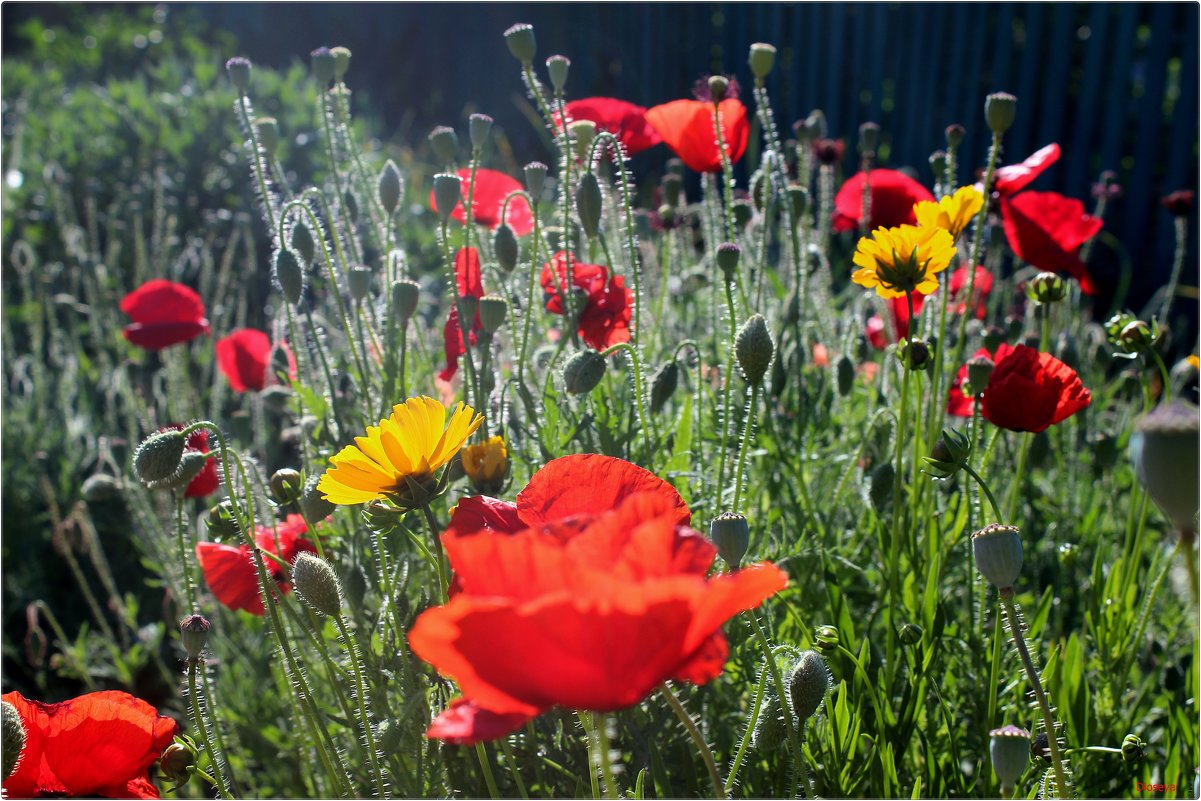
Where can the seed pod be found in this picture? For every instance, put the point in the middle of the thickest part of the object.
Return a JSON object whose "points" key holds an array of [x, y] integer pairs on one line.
{"points": [[582, 134], [728, 256], [239, 72], [761, 59], [194, 634], [478, 128], [492, 311], [754, 348], [732, 536], [808, 685], [317, 584], [535, 178], [998, 551], [1009, 748], [360, 281], [12, 743], [846, 375], [267, 131], [557, 68], [289, 276], [869, 137], [158, 456], [589, 204], [445, 144], [663, 385], [390, 187], [504, 245], [341, 61], [955, 133], [1000, 109], [323, 65], [1165, 453], [521, 42], [405, 294], [583, 372], [447, 189], [718, 86]]}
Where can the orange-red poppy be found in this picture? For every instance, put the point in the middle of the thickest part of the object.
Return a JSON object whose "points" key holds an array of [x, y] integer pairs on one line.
{"points": [[99, 745], [1046, 230], [244, 358], [687, 128]]}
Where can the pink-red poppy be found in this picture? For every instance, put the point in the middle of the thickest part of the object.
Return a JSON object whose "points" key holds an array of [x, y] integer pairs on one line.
{"points": [[686, 126], [100, 744], [491, 189], [244, 358], [164, 313], [469, 283], [608, 304], [627, 121], [1046, 230], [229, 570], [588, 611], [1027, 390], [893, 195]]}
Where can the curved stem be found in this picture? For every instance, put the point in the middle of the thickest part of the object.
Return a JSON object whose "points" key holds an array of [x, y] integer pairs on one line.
{"points": [[600, 723], [698, 740], [760, 688], [987, 492]]}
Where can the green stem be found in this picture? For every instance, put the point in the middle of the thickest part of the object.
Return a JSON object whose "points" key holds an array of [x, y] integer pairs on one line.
{"points": [[377, 773], [600, 723], [748, 425], [794, 739], [223, 783], [486, 767], [698, 740], [185, 563], [727, 378], [648, 432], [987, 492], [511, 762], [760, 688], [727, 173], [994, 155]]}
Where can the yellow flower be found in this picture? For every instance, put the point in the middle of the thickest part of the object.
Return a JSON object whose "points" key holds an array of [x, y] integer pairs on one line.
{"points": [[487, 465], [1195, 362], [904, 259], [950, 213], [411, 444]]}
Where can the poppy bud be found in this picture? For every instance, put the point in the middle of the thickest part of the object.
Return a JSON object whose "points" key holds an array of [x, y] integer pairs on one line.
{"points": [[915, 354], [910, 634], [998, 551], [994, 335], [190, 465], [492, 312], [949, 454], [869, 137], [762, 59], [303, 243], [1179, 203], [663, 385], [672, 184], [588, 204], [101, 487], [718, 85], [1132, 748], [289, 276], [322, 60], [1046, 288], [742, 213], [727, 258], [825, 639], [731, 534], [1165, 454], [880, 483], [267, 131], [1013, 326], [447, 188], [845, 370], [771, 728], [387, 736], [12, 743], [583, 372], [352, 206], [341, 57], [220, 522], [535, 178], [979, 370], [405, 294], [445, 144], [798, 196], [194, 634], [808, 685], [478, 128], [360, 281], [286, 485], [175, 761], [239, 72], [557, 67], [938, 164], [390, 187], [158, 456], [1000, 109], [754, 348], [955, 135], [1009, 748], [312, 505], [583, 134], [504, 245], [521, 42], [317, 584]]}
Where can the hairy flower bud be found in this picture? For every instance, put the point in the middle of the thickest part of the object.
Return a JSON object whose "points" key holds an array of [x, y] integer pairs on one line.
{"points": [[445, 144], [731, 534], [12, 741], [521, 42], [808, 685], [390, 187], [663, 385], [312, 505], [303, 243], [998, 551], [583, 371], [1000, 109], [317, 584], [194, 634], [289, 275], [101, 487], [845, 370], [979, 370], [504, 245], [239, 72], [158, 457], [728, 256], [266, 129], [754, 348], [589, 204]]}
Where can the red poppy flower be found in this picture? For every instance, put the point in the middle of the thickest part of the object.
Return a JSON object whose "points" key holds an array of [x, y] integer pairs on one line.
{"points": [[958, 282], [491, 189], [893, 197], [1046, 230], [874, 330], [590, 613], [1008, 180], [959, 404], [626, 121], [245, 359], [687, 128], [608, 307], [207, 480], [164, 313], [98, 745], [1030, 391], [469, 281], [230, 573]]}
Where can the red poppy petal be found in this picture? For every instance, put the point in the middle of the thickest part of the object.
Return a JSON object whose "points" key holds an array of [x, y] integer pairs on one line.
{"points": [[1045, 229], [465, 722], [206, 481], [488, 196], [624, 120], [452, 344], [479, 512], [686, 126], [156, 336], [958, 404], [1031, 391], [243, 357], [161, 301], [468, 275], [893, 195], [589, 484], [231, 575], [641, 539], [706, 663], [1010, 179]]}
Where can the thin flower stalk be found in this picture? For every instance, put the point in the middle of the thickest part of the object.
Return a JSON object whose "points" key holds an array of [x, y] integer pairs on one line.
{"points": [[698, 739], [994, 155], [364, 702], [727, 173], [215, 757], [748, 427]]}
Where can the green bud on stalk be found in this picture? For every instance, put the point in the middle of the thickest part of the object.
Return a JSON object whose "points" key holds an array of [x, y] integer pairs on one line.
{"points": [[194, 634], [493, 310], [589, 204], [1009, 748], [998, 551], [317, 584], [808, 685], [762, 59], [754, 348], [479, 126], [521, 42], [289, 276], [663, 385], [12, 743], [390, 187], [504, 245], [445, 144], [405, 295], [447, 191], [557, 67], [158, 457], [1000, 110], [731, 534], [583, 371], [535, 178]]}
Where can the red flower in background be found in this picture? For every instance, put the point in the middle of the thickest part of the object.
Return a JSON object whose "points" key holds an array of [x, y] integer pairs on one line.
{"points": [[1046, 230], [687, 128], [245, 359], [1008, 180], [230, 573], [624, 120], [491, 189], [874, 330], [984, 280], [98, 745], [590, 612], [893, 197], [164, 314], [608, 308], [469, 281], [1031, 391], [206, 481]]}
